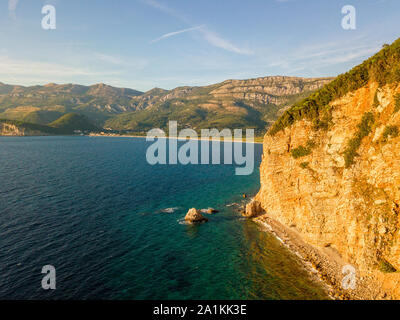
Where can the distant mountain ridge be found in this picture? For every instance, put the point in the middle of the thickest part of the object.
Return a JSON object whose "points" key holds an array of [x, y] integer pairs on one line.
{"points": [[253, 103]]}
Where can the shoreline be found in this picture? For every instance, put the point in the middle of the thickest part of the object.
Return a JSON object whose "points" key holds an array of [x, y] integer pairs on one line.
{"points": [[323, 264], [178, 138], [132, 136]]}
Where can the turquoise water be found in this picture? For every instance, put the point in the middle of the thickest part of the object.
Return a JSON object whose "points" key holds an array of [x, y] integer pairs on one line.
{"points": [[95, 210]]}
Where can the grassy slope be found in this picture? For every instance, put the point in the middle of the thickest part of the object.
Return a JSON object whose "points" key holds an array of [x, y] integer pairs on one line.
{"points": [[73, 121], [66, 124], [23, 104]]}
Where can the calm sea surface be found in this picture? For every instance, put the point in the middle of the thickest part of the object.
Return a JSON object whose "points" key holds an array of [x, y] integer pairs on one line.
{"points": [[111, 226]]}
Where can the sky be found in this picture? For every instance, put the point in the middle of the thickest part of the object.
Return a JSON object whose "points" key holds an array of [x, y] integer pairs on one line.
{"points": [[142, 44]]}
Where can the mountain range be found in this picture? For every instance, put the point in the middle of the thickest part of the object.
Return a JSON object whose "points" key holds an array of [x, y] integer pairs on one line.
{"points": [[253, 103]]}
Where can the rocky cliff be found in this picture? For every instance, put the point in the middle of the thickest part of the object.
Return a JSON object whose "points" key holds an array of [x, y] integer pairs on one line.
{"points": [[276, 90], [311, 183], [8, 129], [330, 173]]}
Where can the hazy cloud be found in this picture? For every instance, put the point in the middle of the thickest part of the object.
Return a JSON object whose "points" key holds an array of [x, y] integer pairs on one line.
{"points": [[219, 42], [12, 6], [211, 37], [109, 59], [171, 34], [137, 64], [322, 55], [16, 67]]}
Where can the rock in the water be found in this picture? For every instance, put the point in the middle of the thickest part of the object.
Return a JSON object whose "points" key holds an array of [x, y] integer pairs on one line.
{"points": [[209, 211], [194, 216], [253, 209]]}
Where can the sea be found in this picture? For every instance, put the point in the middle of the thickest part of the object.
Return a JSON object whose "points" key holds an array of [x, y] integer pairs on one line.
{"points": [[112, 226]]}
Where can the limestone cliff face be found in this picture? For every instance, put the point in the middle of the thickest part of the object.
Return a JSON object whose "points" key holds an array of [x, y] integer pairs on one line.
{"points": [[351, 208], [8, 129], [274, 89]]}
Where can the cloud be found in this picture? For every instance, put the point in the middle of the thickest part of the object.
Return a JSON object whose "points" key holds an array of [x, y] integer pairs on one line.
{"points": [[159, 6], [109, 59], [325, 55], [137, 64], [171, 34], [211, 37], [215, 40], [12, 6], [11, 66]]}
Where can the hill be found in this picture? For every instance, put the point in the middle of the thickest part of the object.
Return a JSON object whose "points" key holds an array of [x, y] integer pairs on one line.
{"points": [[253, 103], [67, 124], [44, 104], [19, 128], [71, 122]]}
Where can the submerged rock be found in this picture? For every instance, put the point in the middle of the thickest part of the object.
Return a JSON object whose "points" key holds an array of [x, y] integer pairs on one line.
{"points": [[209, 211], [194, 216]]}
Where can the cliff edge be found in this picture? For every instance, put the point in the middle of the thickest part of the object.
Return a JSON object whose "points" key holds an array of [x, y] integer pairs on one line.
{"points": [[332, 174]]}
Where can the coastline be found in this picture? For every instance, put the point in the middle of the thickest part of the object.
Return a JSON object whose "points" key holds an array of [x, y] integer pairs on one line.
{"points": [[256, 141], [133, 136], [324, 264]]}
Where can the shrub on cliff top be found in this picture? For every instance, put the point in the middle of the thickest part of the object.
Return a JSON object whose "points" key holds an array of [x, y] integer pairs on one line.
{"points": [[364, 129], [304, 165], [396, 102], [390, 131], [300, 152], [386, 267], [376, 101], [382, 68]]}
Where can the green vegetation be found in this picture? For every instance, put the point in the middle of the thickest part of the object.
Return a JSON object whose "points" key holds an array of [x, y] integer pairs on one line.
{"points": [[70, 122], [364, 129], [390, 131], [383, 68], [323, 122], [376, 101], [190, 114], [396, 102], [132, 112], [66, 124], [42, 116], [304, 165], [302, 151], [31, 126], [44, 104], [386, 267]]}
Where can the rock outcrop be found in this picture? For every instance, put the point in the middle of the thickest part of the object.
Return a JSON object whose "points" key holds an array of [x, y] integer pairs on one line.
{"points": [[8, 129], [348, 201], [253, 209], [194, 216], [276, 89]]}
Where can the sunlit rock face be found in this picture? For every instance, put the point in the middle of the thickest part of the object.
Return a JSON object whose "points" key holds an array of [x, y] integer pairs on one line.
{"points": [[352, 208]]}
